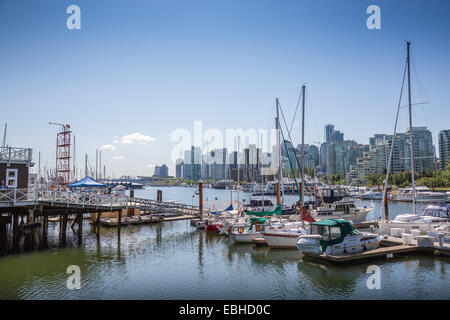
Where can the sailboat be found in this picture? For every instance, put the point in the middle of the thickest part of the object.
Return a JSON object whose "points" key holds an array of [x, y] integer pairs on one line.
{"points": [[432, 216], [285, 235]]}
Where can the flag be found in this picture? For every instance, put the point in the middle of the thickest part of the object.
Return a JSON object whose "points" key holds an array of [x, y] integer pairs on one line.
{"points": [[306, 216]]}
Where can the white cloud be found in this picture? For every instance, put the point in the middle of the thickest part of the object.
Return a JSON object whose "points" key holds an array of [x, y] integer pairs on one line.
{"points": [[117, 158], [150, 166], [107, 147], [136, 137]]}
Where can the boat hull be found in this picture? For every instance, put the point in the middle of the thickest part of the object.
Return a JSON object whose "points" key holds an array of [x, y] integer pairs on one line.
{"points": [[213, 227], [282, 240], [245, 237]]}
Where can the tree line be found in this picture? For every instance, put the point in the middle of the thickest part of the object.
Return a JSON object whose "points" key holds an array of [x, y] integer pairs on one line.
{"points": [[431, 179]]}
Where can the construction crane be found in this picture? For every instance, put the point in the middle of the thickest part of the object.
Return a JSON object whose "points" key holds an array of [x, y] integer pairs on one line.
{"points": [[62, 174]]}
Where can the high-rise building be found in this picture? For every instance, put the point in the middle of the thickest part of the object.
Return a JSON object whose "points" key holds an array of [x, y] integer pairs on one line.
{"points": [[161, 171], [192, 164], [329, 129], [375, 161], [252, 163], [444, 148], [179, 168]]}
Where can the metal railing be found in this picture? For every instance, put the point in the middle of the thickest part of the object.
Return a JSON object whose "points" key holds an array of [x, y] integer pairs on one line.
{"points": [[59, 197], [15, 154], [17, 195]]}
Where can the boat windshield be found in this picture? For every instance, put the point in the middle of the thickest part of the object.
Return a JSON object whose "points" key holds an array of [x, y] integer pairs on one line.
{"points": [[259, 203], [436, 212]]}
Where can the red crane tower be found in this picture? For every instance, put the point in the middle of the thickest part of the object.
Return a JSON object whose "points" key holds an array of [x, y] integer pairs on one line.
{"points": [[62, 154]]}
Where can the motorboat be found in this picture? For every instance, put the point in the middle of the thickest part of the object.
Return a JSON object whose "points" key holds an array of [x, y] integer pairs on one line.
{"points": [[423, 194], [260, 204], [336, 237], [372, 195], [343, 209], [284, 235], [430, 217]]}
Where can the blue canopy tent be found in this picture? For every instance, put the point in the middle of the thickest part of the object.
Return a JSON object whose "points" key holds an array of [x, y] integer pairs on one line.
{"points": [[86, 182]]}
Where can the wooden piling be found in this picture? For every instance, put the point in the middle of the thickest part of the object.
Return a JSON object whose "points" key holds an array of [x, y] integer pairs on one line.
{"points": [[80, 228], [15, 228], [278, 193], [159, 195], [385, 202], [63, 225], [200, 198], [45, 230]]}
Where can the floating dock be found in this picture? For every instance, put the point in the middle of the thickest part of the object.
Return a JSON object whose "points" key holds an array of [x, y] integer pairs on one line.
{"points": [[183, 217], [390, 248]]}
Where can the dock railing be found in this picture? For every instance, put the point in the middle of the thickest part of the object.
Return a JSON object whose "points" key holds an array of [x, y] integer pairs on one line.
{"points": [[15, 154], [66, 197]]}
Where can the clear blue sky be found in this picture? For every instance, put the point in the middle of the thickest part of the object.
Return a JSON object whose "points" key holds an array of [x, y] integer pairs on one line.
{"points": [[155, 66]]}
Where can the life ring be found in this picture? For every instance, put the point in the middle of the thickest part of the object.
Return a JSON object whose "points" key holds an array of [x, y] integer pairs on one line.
{"points": [[240, 229]]}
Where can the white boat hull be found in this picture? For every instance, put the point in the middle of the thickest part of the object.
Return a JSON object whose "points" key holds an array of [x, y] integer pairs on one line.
{"points": [[245, 237], [282, 240]]}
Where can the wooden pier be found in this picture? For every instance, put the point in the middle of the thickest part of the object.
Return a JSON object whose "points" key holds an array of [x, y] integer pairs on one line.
{"points": [[28, 212]]}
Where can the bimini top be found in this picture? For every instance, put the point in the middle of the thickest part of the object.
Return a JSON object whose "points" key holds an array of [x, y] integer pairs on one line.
{"points": [[331, 222], [86, 182]]}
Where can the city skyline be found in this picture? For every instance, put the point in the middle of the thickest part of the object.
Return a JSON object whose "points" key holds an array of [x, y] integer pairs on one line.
{"points": [[225, 64]]}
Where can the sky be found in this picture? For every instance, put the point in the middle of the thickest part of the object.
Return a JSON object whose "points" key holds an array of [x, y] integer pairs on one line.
{"points": [[137, 71]]}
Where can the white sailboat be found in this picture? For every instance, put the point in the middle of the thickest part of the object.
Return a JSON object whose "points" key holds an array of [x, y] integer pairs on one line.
{"points": [[431, 217]]}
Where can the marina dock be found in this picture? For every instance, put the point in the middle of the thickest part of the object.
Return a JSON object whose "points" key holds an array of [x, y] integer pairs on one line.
{"points": [[390, 247], [30, 210]]}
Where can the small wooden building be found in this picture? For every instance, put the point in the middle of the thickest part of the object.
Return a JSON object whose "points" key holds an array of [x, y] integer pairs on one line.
{"points": [[14, 166]]}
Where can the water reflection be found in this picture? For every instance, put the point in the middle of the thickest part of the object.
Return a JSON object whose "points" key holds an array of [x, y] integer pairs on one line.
{"points": [[173, 260]]}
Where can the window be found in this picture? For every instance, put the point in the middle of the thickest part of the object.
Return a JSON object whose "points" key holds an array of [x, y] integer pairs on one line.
{"points": [[444, 214], [335, 233], [326, 233], [11, 178]]}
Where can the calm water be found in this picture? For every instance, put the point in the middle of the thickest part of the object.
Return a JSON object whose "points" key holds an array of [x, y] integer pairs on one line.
{"points": [[175, 261]]}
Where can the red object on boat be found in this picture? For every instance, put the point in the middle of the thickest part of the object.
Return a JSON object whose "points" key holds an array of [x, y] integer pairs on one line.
{"points": [[213, 227], [306, 216]]}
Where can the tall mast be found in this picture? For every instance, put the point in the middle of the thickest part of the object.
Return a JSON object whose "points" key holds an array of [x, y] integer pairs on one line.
{"points": [[96, 163], [74, 159], [408, 44], [4, 136], [85, 165], [237, 158], [303, 141], [277, 126]]}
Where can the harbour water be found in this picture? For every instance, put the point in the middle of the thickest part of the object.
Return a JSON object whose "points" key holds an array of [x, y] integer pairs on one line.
{"points": [[173, 260]]}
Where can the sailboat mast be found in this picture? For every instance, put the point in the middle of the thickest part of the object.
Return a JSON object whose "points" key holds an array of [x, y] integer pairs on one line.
{"points": [[413, 183], [277, 126], [238, 176], [303, 142]]}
